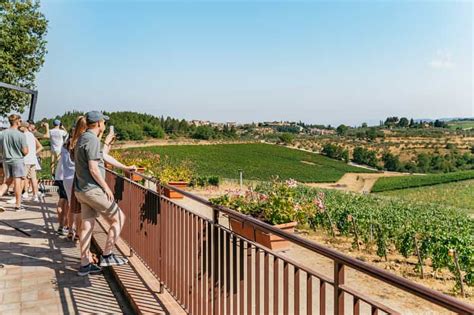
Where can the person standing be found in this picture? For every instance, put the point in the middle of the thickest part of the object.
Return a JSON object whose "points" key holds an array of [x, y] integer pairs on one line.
{"points": [[93, 193], [67, 163], [31, 161], [57, 136], [15, 148]]}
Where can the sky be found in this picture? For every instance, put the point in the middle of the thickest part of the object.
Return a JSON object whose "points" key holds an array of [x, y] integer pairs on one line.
{"points": [[319, 62]]}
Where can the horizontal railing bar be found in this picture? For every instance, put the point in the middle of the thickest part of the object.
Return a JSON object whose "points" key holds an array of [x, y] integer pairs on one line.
{"points": [[367, 300], [421, 291], [280, 256]]}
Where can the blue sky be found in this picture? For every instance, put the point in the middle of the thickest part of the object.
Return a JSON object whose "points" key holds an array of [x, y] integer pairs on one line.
{"points": [[321, 62]]}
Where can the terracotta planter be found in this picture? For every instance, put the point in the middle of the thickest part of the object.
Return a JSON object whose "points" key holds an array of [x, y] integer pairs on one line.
{"points": [[135, 177], [275, 242], [241, 228], [174, 194], [268, 240]]}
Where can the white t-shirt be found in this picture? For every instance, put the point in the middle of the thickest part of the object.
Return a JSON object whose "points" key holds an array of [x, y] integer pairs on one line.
{"points": [[30, 158], [57, 137]]}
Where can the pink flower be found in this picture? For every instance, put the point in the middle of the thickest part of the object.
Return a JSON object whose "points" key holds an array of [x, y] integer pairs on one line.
{"points": [[319, 204], [291, 183]]}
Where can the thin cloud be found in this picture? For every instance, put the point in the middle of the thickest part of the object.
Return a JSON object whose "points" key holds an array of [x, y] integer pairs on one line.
{"points": [[442, 60]]}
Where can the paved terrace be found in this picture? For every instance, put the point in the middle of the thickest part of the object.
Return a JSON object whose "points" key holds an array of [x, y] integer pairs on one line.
{"points": [[38, 271]]}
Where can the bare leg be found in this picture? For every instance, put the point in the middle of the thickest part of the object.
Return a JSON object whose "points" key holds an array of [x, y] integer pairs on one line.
{"points": [[34, 185], [61, 212], [4, 187], [18, 187], [85, 240], [116, 225], [26, 184]]}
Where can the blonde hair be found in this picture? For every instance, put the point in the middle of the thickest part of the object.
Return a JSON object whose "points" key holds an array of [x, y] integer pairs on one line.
{"points": [[79, 128], [13, 118]]}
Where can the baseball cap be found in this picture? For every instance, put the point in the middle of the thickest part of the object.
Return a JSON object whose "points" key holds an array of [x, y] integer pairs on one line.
{"points": [[95, 116], [56, 122]]}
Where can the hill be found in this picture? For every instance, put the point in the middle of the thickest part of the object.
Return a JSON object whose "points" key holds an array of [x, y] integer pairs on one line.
{"points": [[258, 161]]}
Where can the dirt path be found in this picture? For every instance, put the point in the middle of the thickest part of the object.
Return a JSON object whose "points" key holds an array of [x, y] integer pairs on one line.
{"points": [[356, 182]]}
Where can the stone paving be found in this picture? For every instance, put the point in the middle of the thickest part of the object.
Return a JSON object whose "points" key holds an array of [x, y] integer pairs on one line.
{"points": [[38, 272]]}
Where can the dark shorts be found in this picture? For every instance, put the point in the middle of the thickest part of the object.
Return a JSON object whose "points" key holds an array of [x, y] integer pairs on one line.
{"points": [[61, 191]]}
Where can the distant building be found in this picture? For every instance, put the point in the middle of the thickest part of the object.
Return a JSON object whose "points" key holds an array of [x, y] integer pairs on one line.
{"points": [[198, 123], [321, 132]]}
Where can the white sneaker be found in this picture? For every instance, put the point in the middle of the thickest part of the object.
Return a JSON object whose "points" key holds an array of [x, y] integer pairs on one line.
{"points": [[25, 195], [35, 199], [11, 201], [40, 194]]}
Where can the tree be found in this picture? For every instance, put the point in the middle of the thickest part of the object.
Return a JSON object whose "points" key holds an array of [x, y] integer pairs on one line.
{"points": [[440, 124], [403, 122], [390, 121], [364, 125], [204, 133], [371, 134], [391, 162], [342, 130], [22, 50], [412, 123]]}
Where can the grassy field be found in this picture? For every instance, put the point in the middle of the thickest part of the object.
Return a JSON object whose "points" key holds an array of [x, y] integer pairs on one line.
{"points": [[459, 194], [258, 161], [413, 181], [463, 124]]}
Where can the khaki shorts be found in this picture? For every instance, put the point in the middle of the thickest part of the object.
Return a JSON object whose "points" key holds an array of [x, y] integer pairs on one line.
{"points": [[94, 202], [30, 171]]}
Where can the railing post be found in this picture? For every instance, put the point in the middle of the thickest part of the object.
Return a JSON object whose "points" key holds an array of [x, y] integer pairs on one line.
{"points": [[338, 293], [129, 219], [215, 260]]}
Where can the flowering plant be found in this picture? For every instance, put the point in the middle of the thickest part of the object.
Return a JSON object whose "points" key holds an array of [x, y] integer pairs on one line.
{"points": [[163, 169], [274, 204]]}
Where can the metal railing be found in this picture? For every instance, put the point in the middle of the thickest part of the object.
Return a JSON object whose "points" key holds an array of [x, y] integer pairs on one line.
{"points": [[211, 270]]}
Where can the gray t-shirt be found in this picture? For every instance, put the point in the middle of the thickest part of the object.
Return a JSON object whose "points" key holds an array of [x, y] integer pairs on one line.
{"points": [[12, 142], [87, 148]]}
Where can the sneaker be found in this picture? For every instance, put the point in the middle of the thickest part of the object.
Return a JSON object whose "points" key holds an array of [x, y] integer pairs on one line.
{"points": [[65, 230], [35, 199], [19, 209], [11, 201], [26, 195], [112, 260], [60, 230], [88, 269], [40, 194]]}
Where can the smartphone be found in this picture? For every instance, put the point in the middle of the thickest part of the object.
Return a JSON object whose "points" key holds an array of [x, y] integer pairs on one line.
{"points": [[112, 129]]}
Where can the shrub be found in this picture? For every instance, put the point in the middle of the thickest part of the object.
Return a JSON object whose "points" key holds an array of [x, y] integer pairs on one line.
{"points": [[203, 133], [286, 138]]}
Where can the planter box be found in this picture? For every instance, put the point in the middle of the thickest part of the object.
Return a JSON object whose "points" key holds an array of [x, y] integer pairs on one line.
{"points": [[135, 177], [268, 240], [174, 194]]}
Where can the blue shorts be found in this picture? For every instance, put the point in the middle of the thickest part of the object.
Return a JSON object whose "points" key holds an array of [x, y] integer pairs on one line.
{"points": [[14, 169]]}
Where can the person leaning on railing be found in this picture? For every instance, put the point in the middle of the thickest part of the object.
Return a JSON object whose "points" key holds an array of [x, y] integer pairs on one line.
{"points": [[93, 193]]}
